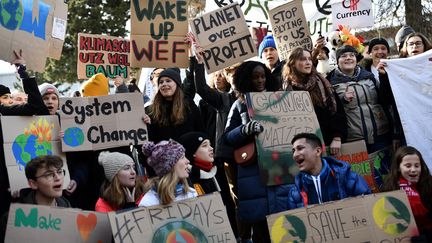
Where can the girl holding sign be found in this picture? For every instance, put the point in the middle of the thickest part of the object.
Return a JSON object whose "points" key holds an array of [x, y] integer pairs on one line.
{"points": [[299, 74], [167, 158]]}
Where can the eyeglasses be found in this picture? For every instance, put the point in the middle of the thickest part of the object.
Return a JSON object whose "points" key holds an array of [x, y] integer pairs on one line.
{"points": [[417, 43], [50, 175]]}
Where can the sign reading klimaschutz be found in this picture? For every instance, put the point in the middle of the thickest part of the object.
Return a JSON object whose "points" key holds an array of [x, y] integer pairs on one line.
{"points": [[352, 13]]}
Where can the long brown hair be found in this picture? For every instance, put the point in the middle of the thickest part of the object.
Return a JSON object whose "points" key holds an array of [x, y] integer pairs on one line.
{"points": [[426, 43], [424, 185], [289, 72], [112, 192], [161, 112], [166, 186]]}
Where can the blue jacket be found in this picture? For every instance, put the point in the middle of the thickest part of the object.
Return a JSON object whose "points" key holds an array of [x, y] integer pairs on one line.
{"points": [[256, 199], [337, 182]]}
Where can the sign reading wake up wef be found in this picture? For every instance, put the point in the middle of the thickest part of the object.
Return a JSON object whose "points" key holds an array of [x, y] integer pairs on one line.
{"points": [[36, 22]]}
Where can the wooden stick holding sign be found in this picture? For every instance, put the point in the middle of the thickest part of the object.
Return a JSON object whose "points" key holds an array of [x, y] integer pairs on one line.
{"points": [[158, 29], [224, 36], [290, 28]]}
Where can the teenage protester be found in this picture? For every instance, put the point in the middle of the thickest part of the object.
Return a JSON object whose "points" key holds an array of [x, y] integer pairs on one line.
{"points": [[35, 106], [50, 96], [5, 96], [167, 158], [121, 185], [415, 44], [299, 74], [19, 97], [321, 179], [45, 175], [410, 173], [268, 53], [240, 130]]}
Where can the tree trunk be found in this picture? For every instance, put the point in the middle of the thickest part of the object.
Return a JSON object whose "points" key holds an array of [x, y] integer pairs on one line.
{"points": [[414, 16]]}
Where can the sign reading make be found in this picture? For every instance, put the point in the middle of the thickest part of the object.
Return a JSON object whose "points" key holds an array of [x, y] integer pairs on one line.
{"points": [[158, 29], [290, 28], [100, 122], [102, 54], [225, 37], [354, 14], [35, 26]]}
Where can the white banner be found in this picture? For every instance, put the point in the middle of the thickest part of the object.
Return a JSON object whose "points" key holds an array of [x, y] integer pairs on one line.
{"points": [[411, 82], [354, 14]]}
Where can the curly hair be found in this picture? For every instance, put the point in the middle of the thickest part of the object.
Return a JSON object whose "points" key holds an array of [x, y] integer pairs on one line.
{"points": [[424, 185], [242, 79], [426, 43], [213, 77]]}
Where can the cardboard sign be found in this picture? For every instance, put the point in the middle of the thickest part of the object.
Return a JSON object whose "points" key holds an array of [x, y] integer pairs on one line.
{"points": [[225, 37], [290, 29], [26, 137], [100, 122], [102, 54], [158, 29], [382, 217], [356, 154], [28, 25], [283, 115], [201, 219], [40, 224], [354, 14]]}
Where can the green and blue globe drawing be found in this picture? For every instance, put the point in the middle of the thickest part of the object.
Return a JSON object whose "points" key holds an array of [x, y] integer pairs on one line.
{"points": [[26, 147], [11, 14], [73, 136]]}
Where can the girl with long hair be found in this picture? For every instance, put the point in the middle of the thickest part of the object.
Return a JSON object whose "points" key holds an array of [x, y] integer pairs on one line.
{"points": [[121, 186], [415, 44], [299, 74]]}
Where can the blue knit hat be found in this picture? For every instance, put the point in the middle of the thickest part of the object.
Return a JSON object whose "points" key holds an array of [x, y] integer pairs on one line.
{"points": [[268, 41]]}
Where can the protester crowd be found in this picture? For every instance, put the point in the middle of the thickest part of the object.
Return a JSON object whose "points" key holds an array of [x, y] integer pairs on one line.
{"points": [[190, 147]]}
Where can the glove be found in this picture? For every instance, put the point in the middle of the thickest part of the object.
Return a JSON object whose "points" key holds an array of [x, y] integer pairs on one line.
{"points": [[252, 127]]}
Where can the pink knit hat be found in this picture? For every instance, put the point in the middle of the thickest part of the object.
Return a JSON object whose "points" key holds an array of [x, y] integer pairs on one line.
{"points": [[163, 156]]}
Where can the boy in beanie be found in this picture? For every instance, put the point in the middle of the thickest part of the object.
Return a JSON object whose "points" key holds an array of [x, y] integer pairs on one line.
{"points": [[121, 185], [202, 170], [267, 51], [50, 96], [97, 85], [167, 158]]}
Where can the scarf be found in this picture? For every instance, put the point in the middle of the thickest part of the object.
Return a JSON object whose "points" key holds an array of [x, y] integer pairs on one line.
{"points": [[203, 165], [319, 88]]}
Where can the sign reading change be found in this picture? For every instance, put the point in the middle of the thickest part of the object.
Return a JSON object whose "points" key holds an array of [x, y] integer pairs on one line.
{"points": [[290, 28], [283, 115], [225, 37], [201, 219], [100, 122], [102, 54], [382, 217]]}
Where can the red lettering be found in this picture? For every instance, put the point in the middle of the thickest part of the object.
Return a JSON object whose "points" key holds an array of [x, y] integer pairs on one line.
{"points": [[139, 54], [160, 50], [178, 47]]}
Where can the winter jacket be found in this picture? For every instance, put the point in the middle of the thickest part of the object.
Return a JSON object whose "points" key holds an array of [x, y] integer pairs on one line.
{"points": [[203, 182], [337, 182], [220, 101], [366, 117], [105, 207], [256, 200], [151, 198], [277, 76]]}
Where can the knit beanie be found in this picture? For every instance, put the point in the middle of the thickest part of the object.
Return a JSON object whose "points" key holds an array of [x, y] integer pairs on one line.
{"points": [[173, 73], [402, 33], [47, 88], [4, 90], [97, 85], [191, 142], [378, 41], [344, 49], [268, 41], [113, 163], [163, 156]]}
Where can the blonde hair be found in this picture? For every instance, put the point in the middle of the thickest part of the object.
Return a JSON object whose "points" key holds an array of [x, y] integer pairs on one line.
{"points": [[166, 186]]}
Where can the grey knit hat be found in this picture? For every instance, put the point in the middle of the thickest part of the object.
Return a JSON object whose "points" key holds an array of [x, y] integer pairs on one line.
{"points": [[47, 88], [113, 162], [163, 156]]}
